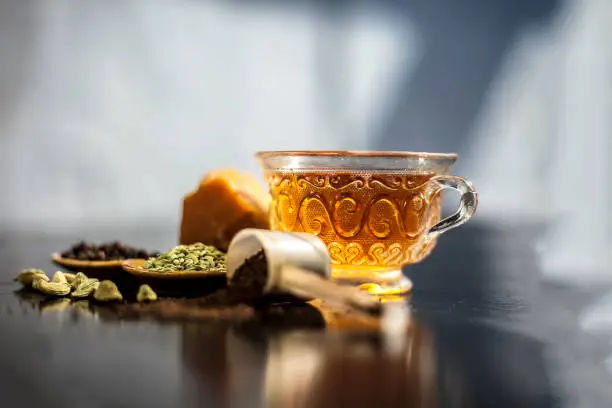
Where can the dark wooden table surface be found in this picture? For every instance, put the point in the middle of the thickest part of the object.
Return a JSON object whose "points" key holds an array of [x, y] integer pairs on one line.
{"points": [[488, 331]]}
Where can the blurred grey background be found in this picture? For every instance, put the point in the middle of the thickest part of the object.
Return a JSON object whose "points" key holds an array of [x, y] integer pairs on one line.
{"points": [[110, 111]]}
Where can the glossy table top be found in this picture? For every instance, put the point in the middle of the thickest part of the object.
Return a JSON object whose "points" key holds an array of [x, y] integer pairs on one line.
{"points": [[486, 331]]}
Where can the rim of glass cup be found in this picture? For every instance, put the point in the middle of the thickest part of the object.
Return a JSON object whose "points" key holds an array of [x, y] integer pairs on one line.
{"points": [[357, 153], [370, 159]]}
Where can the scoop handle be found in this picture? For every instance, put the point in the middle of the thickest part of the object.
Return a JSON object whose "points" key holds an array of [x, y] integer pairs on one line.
{"points": [[302, 283]]}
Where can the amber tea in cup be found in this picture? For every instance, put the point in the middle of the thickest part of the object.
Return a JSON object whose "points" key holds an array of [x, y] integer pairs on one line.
{"points": [[375, 211]]}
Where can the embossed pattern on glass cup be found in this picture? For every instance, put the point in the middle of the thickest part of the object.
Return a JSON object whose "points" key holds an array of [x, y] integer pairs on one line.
{"points": [[368, 219]]}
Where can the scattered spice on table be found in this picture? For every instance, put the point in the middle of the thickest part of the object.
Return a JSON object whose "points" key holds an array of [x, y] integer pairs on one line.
{"points": [[175, 309], [77, 286], [239, 300], [108, 251], [194, 257]]}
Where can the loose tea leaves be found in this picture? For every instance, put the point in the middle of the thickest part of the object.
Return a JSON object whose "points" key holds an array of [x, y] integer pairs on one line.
{"points": [[249, 280], [195, 257], [109, 251]]}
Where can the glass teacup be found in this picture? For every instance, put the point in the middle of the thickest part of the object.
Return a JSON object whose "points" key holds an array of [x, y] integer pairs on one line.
{"points": [[375, 211]]}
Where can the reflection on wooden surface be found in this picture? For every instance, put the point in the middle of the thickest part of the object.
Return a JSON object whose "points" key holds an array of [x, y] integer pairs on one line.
{"points": [[347, 364], [354, 368], [291, 356]]}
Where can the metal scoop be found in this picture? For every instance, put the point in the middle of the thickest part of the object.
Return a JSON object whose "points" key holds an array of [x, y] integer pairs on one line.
{"points": [[298, 264]]}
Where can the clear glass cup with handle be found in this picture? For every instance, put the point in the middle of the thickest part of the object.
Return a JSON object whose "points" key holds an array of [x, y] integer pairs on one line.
{"points": [[375, 211]]}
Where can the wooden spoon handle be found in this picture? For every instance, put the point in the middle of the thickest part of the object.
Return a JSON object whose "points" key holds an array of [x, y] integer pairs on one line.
{"points": [[305, 284]]}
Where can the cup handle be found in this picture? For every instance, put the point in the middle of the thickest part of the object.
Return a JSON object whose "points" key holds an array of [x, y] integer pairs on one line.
{"points": [[467, 205]]}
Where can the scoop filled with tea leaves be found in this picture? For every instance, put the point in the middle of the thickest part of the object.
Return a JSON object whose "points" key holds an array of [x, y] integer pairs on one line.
{"points": [[274, 263]]}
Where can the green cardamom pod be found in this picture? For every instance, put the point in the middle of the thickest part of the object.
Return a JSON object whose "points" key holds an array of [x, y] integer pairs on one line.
{"points": [[85, 288], [51, 288], [69, 277], [58, 277], [146, 294], [78, 280], [27, 276], [107, 291]]}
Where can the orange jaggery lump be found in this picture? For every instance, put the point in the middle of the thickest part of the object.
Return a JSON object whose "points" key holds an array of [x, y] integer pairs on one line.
{"points": [[225, 202]]}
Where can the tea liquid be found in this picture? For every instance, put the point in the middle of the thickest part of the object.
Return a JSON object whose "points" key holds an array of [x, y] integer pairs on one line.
{"points": [[373, 220]]}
